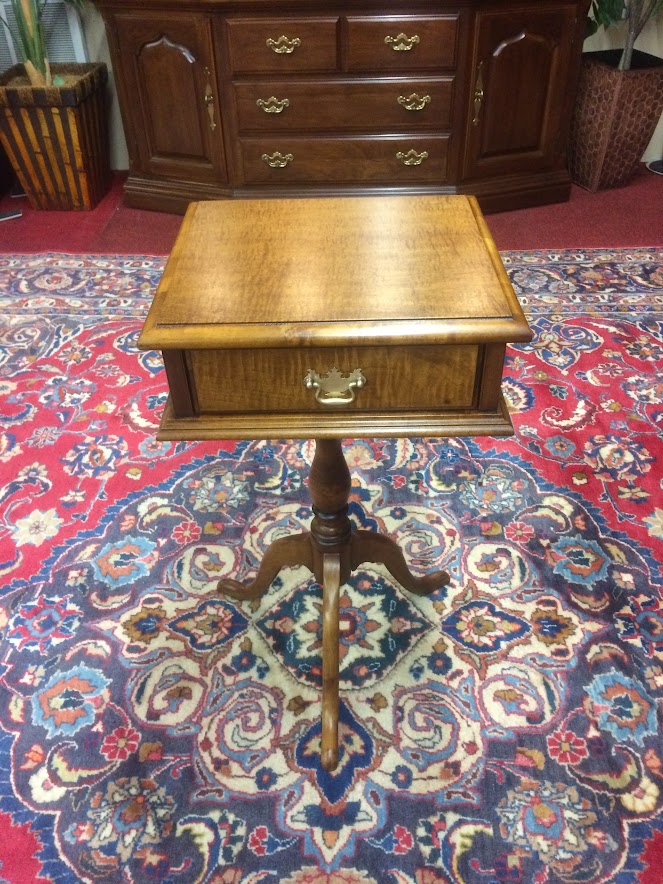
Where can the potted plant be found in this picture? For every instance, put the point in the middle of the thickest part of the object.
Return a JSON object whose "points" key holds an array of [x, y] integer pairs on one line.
{"points": [[619, 99], [53, 120]]}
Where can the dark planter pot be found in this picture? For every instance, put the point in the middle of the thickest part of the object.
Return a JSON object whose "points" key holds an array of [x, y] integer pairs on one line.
{"points": [[614, 118], [56, 137]]}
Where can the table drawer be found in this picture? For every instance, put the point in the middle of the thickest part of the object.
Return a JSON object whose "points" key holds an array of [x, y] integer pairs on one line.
{"points": [[401, 43], [282, 105], [390, 159], [272, 380], [282, 45]]}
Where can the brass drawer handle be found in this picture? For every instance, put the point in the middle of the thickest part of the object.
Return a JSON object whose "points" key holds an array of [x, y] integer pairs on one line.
{"points": [[412, 158], [334, 388], [414, 102], [284, 45], [401, 42], [273, 105], [277, 160]]}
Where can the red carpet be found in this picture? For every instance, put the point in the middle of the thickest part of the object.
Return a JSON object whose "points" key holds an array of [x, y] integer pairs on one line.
{"points": [[110, 228], [625, 217]]}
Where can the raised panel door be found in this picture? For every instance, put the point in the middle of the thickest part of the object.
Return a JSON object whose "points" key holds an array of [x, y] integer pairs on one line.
{"points": [[517, 120], [173, 111]]}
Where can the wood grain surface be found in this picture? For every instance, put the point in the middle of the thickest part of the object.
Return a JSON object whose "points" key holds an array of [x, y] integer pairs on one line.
{"points": [[324, 272], [351, 105], [273, 379]]}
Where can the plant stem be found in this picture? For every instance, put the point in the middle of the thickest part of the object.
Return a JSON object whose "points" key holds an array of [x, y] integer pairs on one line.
{"points": [[36, 77], [627, 54]]}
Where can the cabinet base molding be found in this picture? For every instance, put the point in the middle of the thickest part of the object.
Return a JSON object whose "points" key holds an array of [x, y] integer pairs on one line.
{"points": [[493, 196], [141, 192], [503, 195]]}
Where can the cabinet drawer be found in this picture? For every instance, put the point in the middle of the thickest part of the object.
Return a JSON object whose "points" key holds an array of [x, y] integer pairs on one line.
{"points": [[282, 45], [408, 378], [388, 159], [360, 105], [401, 43]]}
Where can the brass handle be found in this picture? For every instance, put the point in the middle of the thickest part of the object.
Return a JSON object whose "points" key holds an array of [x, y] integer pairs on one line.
{"points": [[284, 45], [414, 102], [478, 94], [277, 160], [401, 42], [273, 105], [209, 100], [412, 158], [334, 388]]}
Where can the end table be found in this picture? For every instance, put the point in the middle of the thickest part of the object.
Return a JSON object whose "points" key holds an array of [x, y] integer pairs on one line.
{"points": [[327, 319]]}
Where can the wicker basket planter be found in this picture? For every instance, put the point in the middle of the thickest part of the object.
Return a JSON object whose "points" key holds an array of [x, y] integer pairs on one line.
{"points": [[56, 137], [614, 118]]}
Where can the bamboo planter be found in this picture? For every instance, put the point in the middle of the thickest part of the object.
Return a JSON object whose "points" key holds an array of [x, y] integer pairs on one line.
{"points": [[615, 116], [56, 137]]}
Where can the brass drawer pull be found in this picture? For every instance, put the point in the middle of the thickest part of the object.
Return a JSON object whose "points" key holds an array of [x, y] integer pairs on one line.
{"points": [[401, 42], [334, 388], [273, 105], [284, 45], [414, 102], [277, 160], [412, 158]]}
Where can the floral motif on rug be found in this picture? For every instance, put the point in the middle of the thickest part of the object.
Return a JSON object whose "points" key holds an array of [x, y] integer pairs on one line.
{"points": [[505, 729]]}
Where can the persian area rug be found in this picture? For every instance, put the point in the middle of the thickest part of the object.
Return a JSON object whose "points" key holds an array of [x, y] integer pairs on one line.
{"points": [[506, 730]]}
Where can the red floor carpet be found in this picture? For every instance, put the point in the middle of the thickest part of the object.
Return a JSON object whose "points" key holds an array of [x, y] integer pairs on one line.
{"points": [[624, 217]]}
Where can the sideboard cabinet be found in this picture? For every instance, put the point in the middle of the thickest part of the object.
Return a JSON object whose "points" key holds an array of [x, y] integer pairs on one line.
{"points": [[238, 98]]}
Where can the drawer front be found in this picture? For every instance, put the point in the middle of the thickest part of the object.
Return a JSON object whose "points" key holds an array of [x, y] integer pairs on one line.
{"points": [[272, 380], [392, 160], [282, 105], [282, 45], [401, 43]]}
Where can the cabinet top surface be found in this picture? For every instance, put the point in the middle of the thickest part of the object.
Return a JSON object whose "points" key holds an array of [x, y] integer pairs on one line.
{"points": [[324, 272]]}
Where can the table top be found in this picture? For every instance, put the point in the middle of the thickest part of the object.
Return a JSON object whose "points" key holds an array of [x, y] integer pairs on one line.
{"points": [[324, 272]]}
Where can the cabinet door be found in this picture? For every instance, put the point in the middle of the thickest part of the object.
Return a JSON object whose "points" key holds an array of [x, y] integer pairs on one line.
{"points": [[519, 93], [169, 96]]}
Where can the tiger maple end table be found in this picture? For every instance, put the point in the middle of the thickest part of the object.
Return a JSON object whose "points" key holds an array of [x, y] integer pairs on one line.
{"points": [[333, 318]]}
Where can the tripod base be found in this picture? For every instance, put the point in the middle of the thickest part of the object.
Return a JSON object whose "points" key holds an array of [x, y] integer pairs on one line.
{"points": [[331, 550]]}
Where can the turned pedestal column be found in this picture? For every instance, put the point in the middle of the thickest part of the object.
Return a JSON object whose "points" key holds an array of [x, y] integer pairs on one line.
{"points": [[331, 550]]}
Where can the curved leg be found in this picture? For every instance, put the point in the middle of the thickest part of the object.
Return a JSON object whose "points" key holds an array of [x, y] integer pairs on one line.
{"points": [[367, 546], [282, 553], [330, 590]]}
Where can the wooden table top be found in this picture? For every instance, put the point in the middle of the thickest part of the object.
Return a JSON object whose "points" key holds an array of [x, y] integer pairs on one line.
{"points": [[324, 272]]}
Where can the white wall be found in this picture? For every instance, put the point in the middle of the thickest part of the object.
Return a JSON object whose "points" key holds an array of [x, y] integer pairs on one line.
{"points": [[651, 40], [97, 46]]}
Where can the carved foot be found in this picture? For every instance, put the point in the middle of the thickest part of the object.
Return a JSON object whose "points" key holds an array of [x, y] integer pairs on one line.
{"points": [[282, 553], [331, 581], [368, 546]]}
